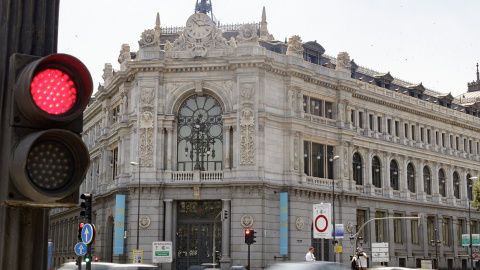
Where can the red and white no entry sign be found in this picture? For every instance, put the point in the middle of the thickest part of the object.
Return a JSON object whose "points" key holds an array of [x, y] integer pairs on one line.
{"points": [[321, 223]]}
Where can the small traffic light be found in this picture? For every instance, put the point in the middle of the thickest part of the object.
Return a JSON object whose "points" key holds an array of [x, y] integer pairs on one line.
{"points": [[247, 236], [253, 236], [87, 204], [48, 160], [96, 259], [80, 228], [224, 214], [87, 258]]}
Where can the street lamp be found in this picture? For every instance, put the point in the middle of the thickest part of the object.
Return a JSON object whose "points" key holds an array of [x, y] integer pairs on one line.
{"points": [[333, 208], [133, 163], [436, 243], [470, 185]]}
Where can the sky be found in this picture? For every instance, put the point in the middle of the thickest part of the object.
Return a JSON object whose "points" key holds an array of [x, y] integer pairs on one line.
{"points": [[435, 42]]}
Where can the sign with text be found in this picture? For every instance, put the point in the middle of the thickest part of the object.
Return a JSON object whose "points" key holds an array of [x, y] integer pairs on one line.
{"points": [[321, 220], [119, 224], [380, 252], [466, 240], [284, 223], [162, 252], [137, 256]]}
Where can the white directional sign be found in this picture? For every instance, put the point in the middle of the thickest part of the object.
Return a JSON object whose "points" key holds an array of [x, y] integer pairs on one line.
{"points": [[80, 249], [162, 252], [321, 221], [87, 233], [380, 252]]}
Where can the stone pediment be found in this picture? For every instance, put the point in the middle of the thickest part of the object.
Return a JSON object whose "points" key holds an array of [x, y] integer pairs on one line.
{"points": [[385, 76], [418, 87]]}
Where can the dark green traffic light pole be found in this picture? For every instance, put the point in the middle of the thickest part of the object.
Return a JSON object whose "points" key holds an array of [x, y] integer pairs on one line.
{"points": [[28, 27]]}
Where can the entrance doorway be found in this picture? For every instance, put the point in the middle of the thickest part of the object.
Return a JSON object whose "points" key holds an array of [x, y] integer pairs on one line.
{"points": [[195, 223]]}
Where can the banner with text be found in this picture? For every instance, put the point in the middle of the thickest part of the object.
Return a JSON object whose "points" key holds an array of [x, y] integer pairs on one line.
{"points": [[284, 223], [119, 224]]}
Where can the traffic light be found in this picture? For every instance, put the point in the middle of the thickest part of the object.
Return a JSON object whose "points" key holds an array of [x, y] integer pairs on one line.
{"points": [[96, 259], [247, 236], [87, 204], [80, 228], [224, 214], [48, 159], [253, 236], [87, 258]]}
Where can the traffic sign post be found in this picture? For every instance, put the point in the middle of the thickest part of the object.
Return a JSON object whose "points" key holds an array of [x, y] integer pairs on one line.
{"points": [[162, 252], [321, 220], [80, 249], [380, 252]]}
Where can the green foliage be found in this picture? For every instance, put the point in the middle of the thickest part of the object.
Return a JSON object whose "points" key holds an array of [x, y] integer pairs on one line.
{"points": [[476, 196]]}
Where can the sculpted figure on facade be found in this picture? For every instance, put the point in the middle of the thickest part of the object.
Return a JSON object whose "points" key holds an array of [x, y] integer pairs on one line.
{"points": [[295, 46], [291, 99], [147, 95], [343, 61], [107, 71], [232, 42], [300, 101], [124, 54], [149, 38], [247, 34]]}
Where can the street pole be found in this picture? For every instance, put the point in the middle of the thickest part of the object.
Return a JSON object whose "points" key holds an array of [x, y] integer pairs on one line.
{"points": [[133, 163], [333, 210], [470, 184]]}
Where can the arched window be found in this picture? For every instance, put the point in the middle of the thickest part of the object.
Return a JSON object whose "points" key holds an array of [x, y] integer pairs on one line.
{"points": [[411, 177], [456, 185], [199, 134], [376, 172], [394, 175], [441, 183], [357, 169], [427, 181]]}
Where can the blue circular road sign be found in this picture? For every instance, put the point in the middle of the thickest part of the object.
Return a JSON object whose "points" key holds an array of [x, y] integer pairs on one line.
{"points": [[87, 234], [80, 249]]}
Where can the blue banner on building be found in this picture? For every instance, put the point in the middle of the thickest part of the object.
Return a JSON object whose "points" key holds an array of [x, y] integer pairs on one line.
{"points": [[119, 224], [284, 223], [50, 256]]}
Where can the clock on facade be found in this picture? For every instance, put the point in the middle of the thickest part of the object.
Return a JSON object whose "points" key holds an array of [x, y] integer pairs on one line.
{"points": [[199, 25]]}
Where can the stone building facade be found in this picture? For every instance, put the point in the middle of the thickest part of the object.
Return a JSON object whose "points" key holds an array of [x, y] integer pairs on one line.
{"points": [[229, 118]]}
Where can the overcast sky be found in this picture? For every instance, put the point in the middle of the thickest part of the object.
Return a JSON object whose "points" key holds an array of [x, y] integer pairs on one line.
{"points": [[436, 42]]}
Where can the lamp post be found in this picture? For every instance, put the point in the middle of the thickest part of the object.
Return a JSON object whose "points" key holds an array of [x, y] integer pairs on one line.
{"points": [[470, 184], [333, 209], [435, 242], [133, 163]]}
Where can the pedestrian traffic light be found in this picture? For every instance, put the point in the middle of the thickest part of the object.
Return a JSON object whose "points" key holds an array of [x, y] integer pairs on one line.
{"points": [[87, 205], [224, 214], [80, 228], [48, 160]]}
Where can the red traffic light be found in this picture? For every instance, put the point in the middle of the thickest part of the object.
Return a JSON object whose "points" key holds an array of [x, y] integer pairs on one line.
{"points": [[53, 89], [80, 225], [247, 232], [97, 259]]}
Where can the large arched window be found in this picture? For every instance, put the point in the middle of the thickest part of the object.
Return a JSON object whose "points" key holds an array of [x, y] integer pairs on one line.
{"points": [[411, 177], [456, 185], [441, 183], [357, 169], [376, 172], [394, 175], [427, 181], [199, 134]]}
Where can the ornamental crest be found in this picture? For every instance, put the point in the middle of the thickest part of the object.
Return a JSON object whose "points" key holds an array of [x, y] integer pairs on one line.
{"points": [[150, 38], [295, 45], [343, 60], [147, 95], [201, 38], [247, 33]]}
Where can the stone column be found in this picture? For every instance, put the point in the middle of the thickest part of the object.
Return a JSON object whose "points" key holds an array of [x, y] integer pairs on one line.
{"points": [[226, 146], [169, 228], [403, 178], [435, 183], [369, 188], [169, 148], [421, 195], [225, 261], [449, 185], [385, 171]]}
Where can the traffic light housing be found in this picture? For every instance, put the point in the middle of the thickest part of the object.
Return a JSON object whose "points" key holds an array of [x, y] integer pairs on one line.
{"points": [[250, 236], [80, 228], [87, 205], [47, 160], [87, 258], [224, 214], [247, 236]]}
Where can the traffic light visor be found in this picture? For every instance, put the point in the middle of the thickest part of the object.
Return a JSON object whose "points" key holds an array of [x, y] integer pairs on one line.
{"points": [[54, 88], [49, 165]]}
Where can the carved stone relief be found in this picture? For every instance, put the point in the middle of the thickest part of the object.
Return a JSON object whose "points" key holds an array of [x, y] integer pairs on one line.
{"points": [[147, 95], [247, 221], [144, 222], [247, 125], [343, 61], [124, 54], [295, 152], [150, 38], [247, 34], [295, 46], [147, 123]]}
